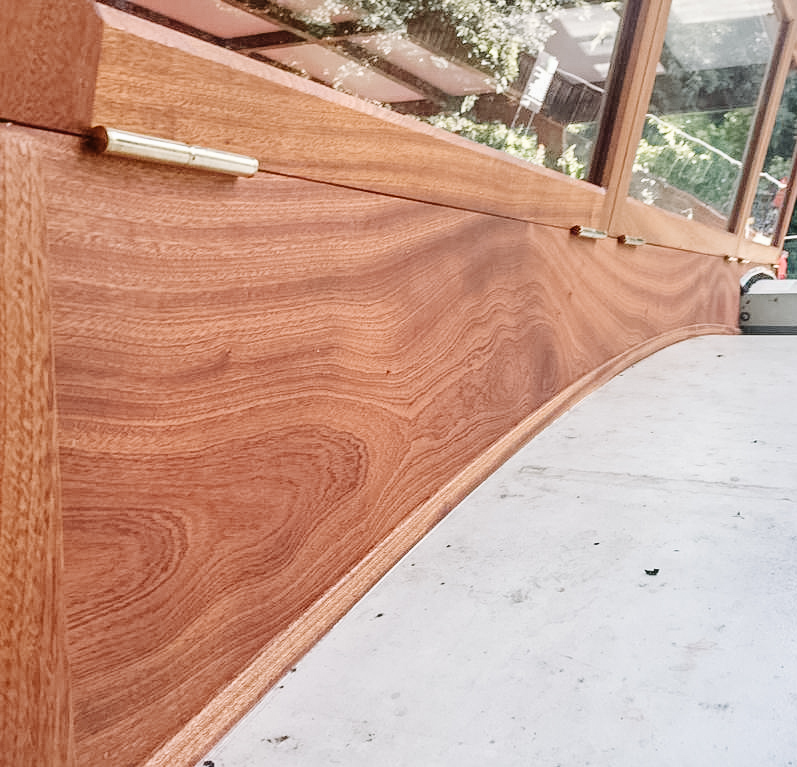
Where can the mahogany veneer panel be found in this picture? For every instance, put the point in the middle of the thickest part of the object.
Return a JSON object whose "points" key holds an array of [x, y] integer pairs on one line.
{"points": [[260, 381], [48, 62], [35, 718], [196, 92]]}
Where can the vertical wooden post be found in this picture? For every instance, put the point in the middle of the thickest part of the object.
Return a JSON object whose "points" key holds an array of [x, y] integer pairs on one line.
{"points": [[641, 42], [49, 53], [36, 721], [763, 125], [786, 212]]}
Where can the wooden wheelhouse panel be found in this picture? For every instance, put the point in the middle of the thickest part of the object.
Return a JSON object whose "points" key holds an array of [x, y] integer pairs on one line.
{"points": [[266, 390]]}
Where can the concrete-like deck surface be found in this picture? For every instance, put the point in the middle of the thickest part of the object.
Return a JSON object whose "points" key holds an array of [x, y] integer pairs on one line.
{"points": [[621, 593]]}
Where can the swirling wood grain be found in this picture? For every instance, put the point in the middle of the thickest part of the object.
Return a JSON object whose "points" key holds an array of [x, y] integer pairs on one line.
{"points": [[259, 382]]}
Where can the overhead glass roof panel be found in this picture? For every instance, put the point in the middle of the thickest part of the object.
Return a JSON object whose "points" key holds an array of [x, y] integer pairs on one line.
{"points": [[440, 71], [584, 38], [213, 16], [732, 42], [337, 70], [713, 11], [321, 11]]}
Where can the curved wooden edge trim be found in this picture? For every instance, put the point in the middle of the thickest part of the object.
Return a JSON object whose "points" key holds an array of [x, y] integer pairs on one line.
{"points": [[34, 669], [205, 729], [49, 54]]}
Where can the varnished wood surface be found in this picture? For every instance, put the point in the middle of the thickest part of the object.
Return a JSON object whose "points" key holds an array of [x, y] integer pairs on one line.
{"points": [[35, 718], [259, 381], [756, 252], [642, 41], [196, 92], [659, 226], [48, 62], [193, 91], [268, 666], [157, 81]]}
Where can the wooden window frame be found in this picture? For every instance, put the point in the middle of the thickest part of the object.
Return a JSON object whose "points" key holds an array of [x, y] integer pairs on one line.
{"points": [[299, 128], [769, 100]]}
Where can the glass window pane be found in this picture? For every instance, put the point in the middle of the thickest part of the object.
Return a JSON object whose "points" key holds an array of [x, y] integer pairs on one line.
{"points": [[771, 192], [523, 76], [713, 65]]}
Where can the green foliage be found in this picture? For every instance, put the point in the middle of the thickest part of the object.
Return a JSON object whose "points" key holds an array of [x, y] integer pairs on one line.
{"points": [[512, 141], [726, 131], [495, 32], [494, 134], [782, 142], [701, 154], [570, 164]]}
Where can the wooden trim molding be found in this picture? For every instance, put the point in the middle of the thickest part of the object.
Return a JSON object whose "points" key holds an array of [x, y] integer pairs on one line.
{"points": [[48, 63], [36, 723], [757, 253], [660, 227], [668, 230], [614, 102], [786, 9], [643, 40]]}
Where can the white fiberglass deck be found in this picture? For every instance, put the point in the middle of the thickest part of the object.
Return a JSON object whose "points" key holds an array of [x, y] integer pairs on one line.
{"points": [[621, 593]]}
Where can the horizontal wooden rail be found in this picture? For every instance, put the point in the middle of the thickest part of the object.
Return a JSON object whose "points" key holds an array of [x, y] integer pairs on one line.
{"points": [[195, 92]]}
